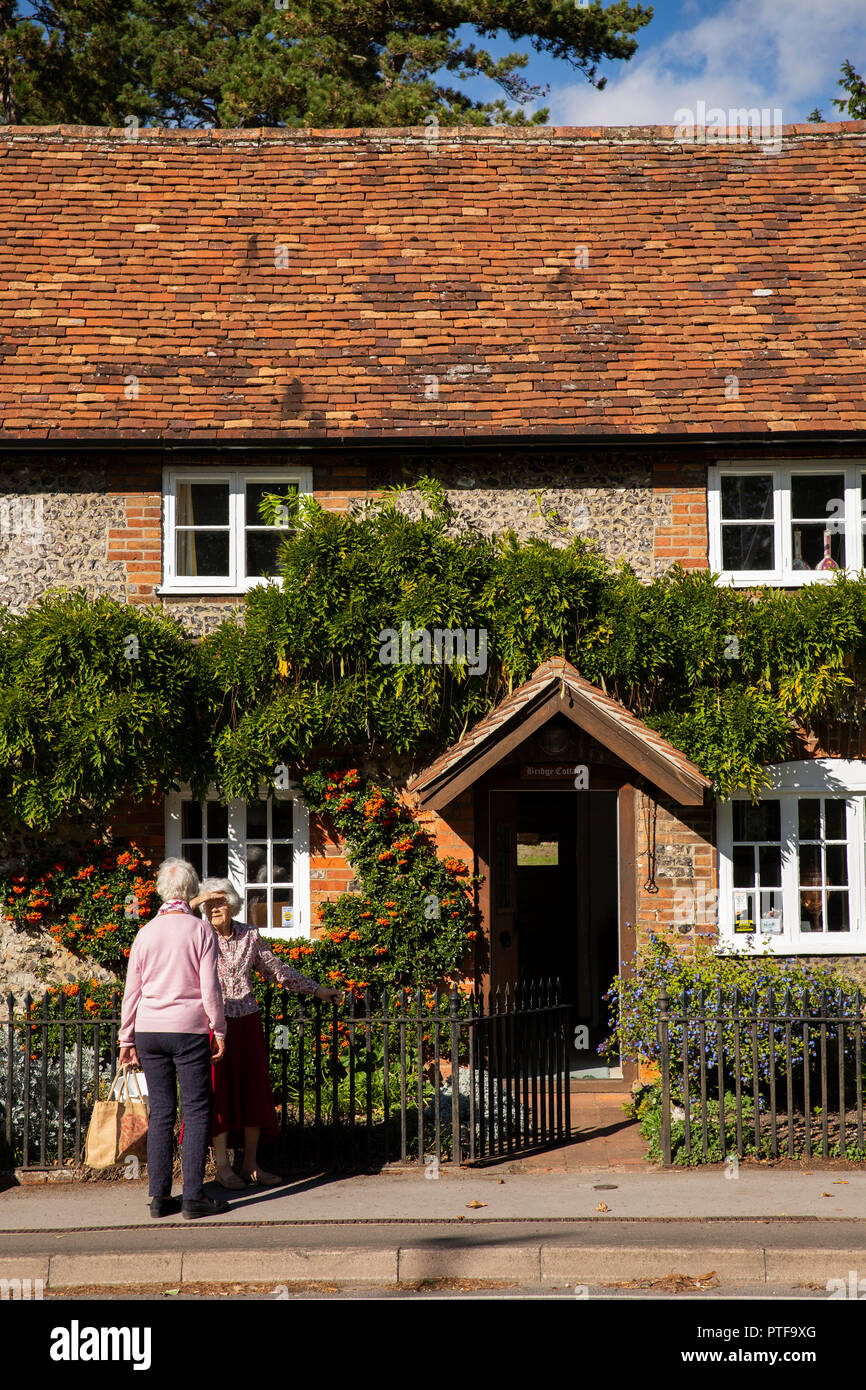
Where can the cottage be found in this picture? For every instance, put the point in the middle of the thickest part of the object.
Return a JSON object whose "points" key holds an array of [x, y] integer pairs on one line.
{"points": [[661, 336]]}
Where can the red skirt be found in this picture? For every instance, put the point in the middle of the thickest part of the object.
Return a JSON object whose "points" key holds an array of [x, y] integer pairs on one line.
{"points": [[242, 1094]]}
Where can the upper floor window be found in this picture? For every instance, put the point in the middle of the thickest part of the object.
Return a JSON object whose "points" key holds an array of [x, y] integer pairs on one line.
{"points": [[792, 867], [214, 538], [786, 524], [261, 846]]}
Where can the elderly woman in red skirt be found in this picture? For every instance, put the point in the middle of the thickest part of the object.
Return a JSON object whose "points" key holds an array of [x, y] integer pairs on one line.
{"points": [[243, 1099]]}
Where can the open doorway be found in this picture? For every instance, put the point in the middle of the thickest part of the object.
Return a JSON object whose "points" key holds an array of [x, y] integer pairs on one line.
{"points": [[555, 899]]}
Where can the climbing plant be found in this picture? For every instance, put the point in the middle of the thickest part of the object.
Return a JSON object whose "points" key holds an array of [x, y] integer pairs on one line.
{"points": [[101, 701]]}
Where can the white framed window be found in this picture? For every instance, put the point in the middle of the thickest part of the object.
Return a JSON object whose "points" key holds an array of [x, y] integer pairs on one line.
{"points": [[792, 867], [786, 524], [262, 847], [214, 539]]}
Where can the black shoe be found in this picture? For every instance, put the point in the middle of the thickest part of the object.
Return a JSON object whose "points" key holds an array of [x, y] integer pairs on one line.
{"points": [[203, 1207], [165, 1206]]}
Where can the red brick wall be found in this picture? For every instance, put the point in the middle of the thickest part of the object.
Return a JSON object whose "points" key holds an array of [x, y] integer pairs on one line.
{"points": [[684, 538]]}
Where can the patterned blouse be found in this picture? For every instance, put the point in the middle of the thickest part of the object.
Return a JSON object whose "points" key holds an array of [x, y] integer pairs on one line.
{"points": [[241, 953]]}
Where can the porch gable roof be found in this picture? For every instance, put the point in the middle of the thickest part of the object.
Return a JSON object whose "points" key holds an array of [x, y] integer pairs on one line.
{"points": [[556, 687]]}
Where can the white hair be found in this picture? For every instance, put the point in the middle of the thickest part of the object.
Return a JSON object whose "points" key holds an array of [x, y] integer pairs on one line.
{"points": [[176, 878], [224, 886]]}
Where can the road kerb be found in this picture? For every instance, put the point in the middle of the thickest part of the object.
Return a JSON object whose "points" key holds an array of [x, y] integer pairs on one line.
{"points": [[517, 1263], [593, 1264], [115, 1267], [815, 1266], [344, 1265]]}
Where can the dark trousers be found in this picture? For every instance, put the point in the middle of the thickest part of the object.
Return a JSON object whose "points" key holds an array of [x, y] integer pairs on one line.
{"points": [[169, 1058]]}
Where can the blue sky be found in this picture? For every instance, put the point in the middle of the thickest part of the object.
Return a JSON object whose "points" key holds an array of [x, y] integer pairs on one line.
{"points": [[782, 54]]}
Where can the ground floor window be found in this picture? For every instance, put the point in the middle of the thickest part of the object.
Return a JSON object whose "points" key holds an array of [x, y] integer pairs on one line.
{"points": [[261, 846], [792, 868]]}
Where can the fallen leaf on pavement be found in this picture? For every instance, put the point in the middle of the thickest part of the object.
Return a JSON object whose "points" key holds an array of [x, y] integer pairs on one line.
{"points": [[602, 1206], [473, 1203], [671, 1283]]}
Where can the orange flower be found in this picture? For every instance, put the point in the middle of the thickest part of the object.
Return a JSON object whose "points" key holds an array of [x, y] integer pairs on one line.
{"points": [[33, 916], [354, 936], [472, 935], [90, 1005]]}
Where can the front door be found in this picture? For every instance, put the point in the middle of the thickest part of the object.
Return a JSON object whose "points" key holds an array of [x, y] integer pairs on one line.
{"points": [[554, 902]]}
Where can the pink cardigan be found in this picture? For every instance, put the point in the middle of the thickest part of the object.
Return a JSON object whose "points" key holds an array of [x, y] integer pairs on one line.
{"points": [[172, 985]]}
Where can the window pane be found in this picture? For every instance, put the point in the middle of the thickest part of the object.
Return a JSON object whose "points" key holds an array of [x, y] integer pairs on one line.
{"points": [[810, 819], [744, 866], [770, 922], [813, 543], [203, 553], [283, 819], [190, 820], [811, 912], [257, 820], [770, 866], [217, 821], [747, 498], [218, 861], [834, 820], [744, 912], [256, 491], [759, 822], [748, 548], [837, 912], [817, 496], [837, 864], [257, 863], [810, 865], [202, 504], [192, 853], [261, 552], [282, 916], [257, 907], [282, 864]]}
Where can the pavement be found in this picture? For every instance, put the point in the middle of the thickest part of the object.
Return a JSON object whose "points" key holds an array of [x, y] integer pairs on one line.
{"points": [[588, 1213], [763, 1227]]}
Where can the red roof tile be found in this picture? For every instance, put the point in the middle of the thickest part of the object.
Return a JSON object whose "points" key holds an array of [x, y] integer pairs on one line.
{"points": [[314, 284]]}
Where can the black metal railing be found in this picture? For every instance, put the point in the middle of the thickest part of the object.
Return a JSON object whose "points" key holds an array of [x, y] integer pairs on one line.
{"points": [[427, 1077], [761, 1075]]}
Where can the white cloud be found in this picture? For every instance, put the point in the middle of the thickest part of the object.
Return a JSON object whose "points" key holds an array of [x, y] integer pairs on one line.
{"points": [[753, 53]]}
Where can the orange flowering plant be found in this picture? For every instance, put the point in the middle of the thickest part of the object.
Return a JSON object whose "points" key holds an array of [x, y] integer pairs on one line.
{"points": [[414, 920], [92, 900]]}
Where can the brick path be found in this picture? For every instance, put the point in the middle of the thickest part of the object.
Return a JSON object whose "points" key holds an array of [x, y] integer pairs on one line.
{"points": [[608, 1139]]}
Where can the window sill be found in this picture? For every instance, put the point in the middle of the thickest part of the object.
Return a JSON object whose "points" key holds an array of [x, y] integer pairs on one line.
{"points": [[229, 590], [834, 944]]}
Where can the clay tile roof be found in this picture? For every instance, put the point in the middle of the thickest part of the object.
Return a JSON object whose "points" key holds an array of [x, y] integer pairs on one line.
{"points": [[591, 708], [497, 281]]}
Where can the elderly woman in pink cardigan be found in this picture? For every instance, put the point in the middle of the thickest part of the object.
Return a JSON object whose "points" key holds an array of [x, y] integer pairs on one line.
{"points": [[171, 1003]]}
